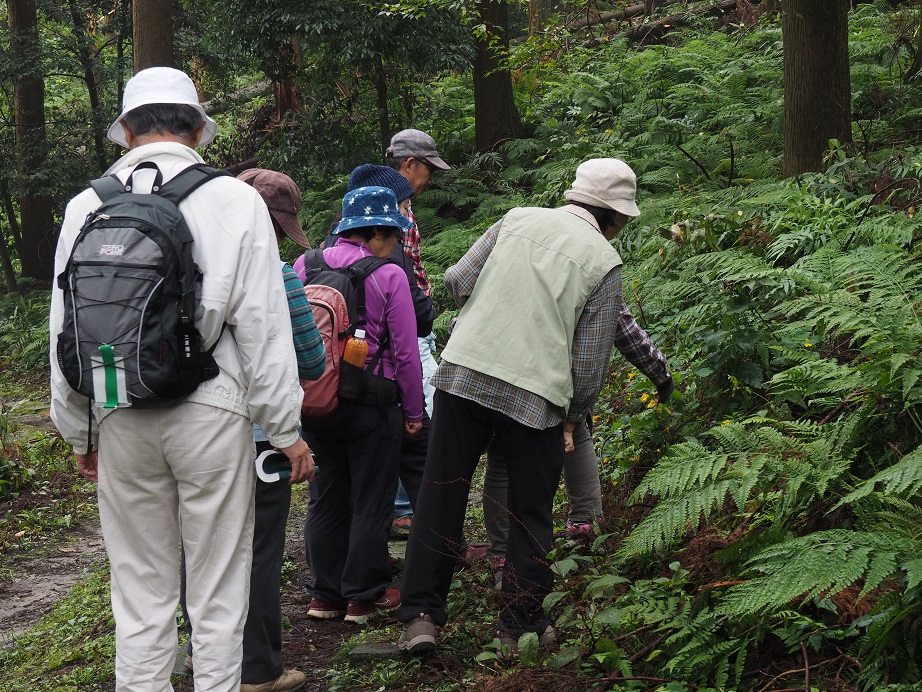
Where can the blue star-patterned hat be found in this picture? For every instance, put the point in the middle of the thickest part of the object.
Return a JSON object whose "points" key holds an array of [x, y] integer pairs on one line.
{"points": [[371, 206]]}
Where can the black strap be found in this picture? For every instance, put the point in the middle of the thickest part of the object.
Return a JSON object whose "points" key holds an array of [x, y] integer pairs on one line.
{"points": [[357, 273], [108, 187], [313, 259], [188, 181], [176, 190], [89, 426]]}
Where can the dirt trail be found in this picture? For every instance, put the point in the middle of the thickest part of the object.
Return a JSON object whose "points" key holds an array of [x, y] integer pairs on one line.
{"points": [[38, 583]]}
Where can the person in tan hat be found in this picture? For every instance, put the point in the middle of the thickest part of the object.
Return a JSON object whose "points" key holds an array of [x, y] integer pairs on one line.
{"points": [[183, 473], [262, 635], [541, 309]]}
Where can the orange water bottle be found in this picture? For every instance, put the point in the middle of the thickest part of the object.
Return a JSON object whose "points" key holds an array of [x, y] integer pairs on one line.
{"points": [[356, 350]]}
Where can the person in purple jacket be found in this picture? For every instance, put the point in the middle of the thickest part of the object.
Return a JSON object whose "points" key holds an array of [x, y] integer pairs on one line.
{"points": [[357, 446]]}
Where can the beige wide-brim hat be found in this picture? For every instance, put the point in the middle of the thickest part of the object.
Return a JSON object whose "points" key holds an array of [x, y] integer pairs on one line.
{"points": [[605, 183], [160, 85]]}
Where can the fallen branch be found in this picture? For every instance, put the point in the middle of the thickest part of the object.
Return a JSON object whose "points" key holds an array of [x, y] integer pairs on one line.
{"points": [[720, 584], [655, 30], [223, 103], [628, 12]]}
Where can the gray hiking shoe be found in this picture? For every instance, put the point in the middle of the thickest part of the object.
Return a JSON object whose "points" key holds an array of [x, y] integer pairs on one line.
{"points": [[418, 635], [509, 643]]}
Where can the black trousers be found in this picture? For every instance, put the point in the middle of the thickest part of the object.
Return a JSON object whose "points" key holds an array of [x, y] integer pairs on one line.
{"points": [[357, 451], [461, 430], [262, 633]]}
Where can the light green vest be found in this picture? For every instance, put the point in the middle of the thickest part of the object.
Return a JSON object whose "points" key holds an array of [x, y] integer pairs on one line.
{"points": [[518, 323]]}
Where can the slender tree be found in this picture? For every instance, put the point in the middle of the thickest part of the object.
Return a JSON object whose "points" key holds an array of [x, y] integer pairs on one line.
{"points": [[496, 117], [36, 246], [91, 79], [152, 29], [8, 240], [538, 12], [817, 86]]}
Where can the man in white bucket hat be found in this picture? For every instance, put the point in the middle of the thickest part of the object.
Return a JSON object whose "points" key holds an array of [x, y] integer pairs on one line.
{"points": [[183, 472]]}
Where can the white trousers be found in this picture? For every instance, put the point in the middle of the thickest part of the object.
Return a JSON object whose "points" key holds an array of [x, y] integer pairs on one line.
{"points": [[182, 473]]}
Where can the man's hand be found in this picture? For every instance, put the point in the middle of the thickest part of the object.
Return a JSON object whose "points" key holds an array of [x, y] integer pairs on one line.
{"points": [[412, 429], [302, 462], [568, 444], [88, 465]]}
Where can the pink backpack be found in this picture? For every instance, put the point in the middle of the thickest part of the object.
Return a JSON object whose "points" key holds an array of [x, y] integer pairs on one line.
{"points": [[337, 299], [331, 315]]}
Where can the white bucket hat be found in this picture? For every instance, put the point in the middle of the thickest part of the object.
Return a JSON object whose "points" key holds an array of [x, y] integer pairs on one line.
{"points": [[606, 183], [160, 85]]}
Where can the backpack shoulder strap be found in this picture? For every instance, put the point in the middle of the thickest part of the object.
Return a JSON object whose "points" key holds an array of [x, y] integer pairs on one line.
{"points": [[358, 272], [188, 181], [107, 187], [365, 266], [313, 261]]}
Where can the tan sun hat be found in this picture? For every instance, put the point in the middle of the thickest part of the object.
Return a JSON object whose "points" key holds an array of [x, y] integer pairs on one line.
{"points": [[606, 183], [160, 85]]}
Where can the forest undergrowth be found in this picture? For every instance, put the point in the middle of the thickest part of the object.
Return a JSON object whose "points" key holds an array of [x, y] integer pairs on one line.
{"points": [[762, 528]]}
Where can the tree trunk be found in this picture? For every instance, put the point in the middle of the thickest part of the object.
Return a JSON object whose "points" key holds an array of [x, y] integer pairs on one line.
{"points": [[10, 210], [9, 274], [285, 87], [649, 7], [384, 119], [36, 246], [538, 12], [152, 29], [495, 115], [817, 87], [92, 84]]}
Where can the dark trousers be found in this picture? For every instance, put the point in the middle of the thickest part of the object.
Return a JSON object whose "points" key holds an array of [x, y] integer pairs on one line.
{"points": [[357, 451], [461, 430], [413, 461], [262, 633]]}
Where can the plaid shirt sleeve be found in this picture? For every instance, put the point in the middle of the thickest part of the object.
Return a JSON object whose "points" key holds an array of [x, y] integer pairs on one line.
{"points": [[312, 357], [593, 342], [411, 241], [460, 278], [635, 345]]}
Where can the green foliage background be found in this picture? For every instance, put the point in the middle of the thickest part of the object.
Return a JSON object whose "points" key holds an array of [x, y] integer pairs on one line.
{"points": [[765, 521]]}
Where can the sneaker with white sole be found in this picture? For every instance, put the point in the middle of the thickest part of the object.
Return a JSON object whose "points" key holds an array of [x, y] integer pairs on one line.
{"points": [[418, 635], [359, 611], [325, 611]]}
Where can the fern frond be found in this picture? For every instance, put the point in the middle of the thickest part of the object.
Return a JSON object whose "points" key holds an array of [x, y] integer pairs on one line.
{"points": [[902, 479], [819, 565]]}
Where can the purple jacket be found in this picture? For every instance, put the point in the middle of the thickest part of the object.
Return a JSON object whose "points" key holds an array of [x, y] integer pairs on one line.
{"points": [[387, 302]]}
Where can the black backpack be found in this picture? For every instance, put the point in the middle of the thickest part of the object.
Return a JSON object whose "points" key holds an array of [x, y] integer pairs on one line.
{"points": [[130, 293], [423, 306]]}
